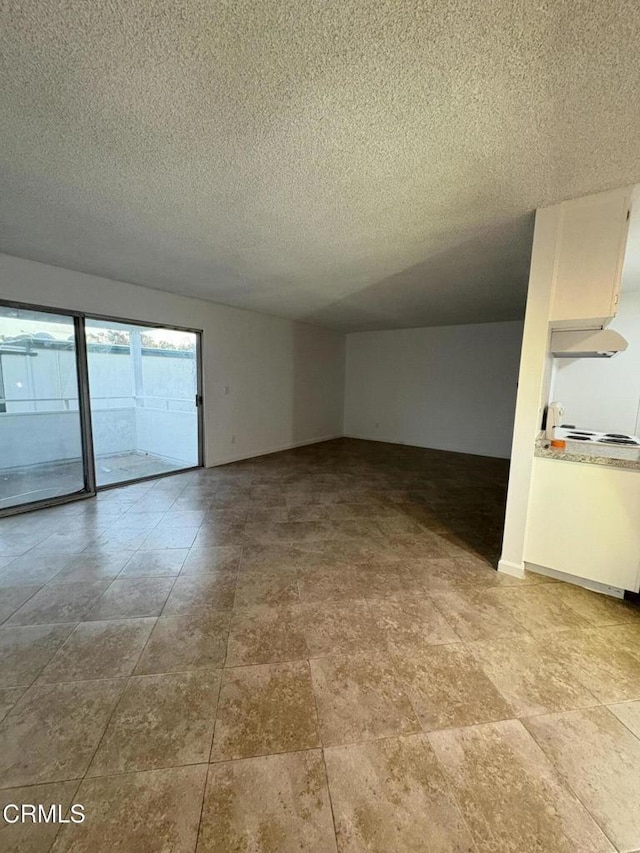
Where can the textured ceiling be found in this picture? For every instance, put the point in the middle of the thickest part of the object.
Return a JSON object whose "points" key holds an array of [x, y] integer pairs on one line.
{"points": [[357, 163]]}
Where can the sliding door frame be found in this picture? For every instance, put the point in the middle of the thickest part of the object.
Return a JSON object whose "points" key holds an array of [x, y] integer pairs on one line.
{"points": [[84, 415], [199, 397], [84, 404]]}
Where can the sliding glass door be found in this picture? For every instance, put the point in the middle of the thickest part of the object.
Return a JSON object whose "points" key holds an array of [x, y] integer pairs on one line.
{"points": [[42, 440], [143, 384], [88, 403]]}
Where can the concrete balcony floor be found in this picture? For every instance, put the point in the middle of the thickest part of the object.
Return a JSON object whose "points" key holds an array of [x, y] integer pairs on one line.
{"points": [[40, 482]]}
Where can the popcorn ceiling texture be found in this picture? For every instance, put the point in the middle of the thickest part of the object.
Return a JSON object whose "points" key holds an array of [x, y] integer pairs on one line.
{"points": [[360, 164]]}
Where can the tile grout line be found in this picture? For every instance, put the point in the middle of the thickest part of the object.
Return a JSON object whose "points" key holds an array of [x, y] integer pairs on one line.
{"points": [[44, 666], [123, 691], [206, 775], [567, 784], [449, 787], [61, 826], [331, 806], [3, 624], [126, 679], [626, 702], [324, 761], [469, 643]]}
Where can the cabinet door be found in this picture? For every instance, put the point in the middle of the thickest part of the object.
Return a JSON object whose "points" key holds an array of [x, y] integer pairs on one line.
{"points": [[589, 259], [584, 520]]}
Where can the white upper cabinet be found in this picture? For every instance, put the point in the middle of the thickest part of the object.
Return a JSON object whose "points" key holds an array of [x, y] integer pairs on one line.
{"points": [[589, 257]]}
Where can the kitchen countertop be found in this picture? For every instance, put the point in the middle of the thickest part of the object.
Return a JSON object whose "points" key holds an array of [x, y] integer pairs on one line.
{"points": [[544, 451]]}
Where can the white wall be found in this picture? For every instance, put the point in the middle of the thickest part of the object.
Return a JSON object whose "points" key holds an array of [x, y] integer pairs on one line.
{"points": [[285, 379], [171, 435], [35, 437], [604, 394], [449, 387]]}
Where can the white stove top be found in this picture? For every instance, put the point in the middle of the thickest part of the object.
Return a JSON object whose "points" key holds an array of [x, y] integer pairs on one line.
{"points": [[584, 436]]}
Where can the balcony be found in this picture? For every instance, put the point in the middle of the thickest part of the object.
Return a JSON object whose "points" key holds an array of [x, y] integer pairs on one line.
{"points": [[40, 449]]}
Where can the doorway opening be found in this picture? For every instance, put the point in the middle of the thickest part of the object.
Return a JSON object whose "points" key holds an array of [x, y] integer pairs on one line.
{"points": [[88, 403], [143, 387]]}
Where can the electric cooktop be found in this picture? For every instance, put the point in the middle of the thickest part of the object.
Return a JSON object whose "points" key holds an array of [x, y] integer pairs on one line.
{"points": [[618, 439]]}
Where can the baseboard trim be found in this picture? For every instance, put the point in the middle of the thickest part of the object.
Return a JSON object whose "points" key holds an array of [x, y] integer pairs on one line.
{"points": [[595, 586], [384, 440], [279, 449], [516, 570]]}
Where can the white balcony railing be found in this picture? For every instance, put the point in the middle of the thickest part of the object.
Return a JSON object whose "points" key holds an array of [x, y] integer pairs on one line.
{"points": [[168, 404], [51, 434]]}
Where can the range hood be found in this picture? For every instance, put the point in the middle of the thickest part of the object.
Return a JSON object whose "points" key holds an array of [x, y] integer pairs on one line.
{"points": [[587, 343]]}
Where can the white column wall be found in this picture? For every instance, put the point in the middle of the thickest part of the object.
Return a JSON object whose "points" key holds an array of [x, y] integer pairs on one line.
{"points": [[533, 382]]}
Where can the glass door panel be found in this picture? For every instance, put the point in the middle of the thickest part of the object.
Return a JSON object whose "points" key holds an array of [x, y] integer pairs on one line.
{"points": [[143, 383], [41, 438]]}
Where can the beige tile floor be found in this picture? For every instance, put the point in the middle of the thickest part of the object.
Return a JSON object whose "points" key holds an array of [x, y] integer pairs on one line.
{"points": [[310, 651]]}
